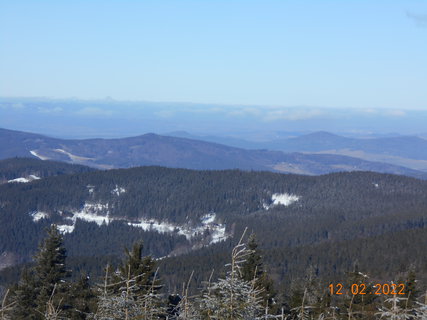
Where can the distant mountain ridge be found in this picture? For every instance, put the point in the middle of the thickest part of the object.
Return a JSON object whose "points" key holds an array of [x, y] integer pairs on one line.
{"points": [[406, 151], [153, 149]]}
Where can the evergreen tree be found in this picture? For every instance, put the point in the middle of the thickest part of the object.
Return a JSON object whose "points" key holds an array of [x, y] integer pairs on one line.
{"points": [[44, 283], [83, 299], [232, 297], [24, 296], [133, 289], [50, 269], [253, 270], [143, 269], [411, 290]]}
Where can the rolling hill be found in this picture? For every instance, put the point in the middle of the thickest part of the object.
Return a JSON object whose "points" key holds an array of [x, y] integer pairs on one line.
{"points": [[174, 152], [328, 221]]}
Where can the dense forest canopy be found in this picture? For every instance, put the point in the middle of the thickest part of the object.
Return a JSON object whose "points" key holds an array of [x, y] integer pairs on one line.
{"points": [[325, 223]]}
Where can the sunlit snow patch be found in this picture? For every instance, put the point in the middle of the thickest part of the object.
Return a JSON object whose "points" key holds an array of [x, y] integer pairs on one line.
{"points": [[216, 231], [34, 153], [30, 178], [284, 199], [63, 228], [100, 214], [118, 190], [90, 188], [38, 215], [19, 180], [73, 157], [91, 212], [208, 218]]}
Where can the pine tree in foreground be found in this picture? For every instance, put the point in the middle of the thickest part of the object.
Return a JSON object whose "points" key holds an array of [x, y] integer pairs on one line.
{"points": [[132, 292], [232, 297], [253, 270], [43, 285]]}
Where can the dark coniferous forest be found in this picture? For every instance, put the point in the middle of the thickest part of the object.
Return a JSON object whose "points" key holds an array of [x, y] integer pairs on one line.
{"points": [[153, 242]]}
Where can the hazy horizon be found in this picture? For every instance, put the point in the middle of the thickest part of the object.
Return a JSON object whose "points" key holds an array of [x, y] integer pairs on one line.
{"points": [[352, 54], [72, 118]]}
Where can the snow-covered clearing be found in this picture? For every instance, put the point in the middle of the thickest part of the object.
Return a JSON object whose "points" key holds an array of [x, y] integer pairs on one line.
{"points": [[73, 157], [100, 214], [38, 215], [34, 153], [284, 199], [19, 180], [216, 231], [30, 178], [91, 212]]}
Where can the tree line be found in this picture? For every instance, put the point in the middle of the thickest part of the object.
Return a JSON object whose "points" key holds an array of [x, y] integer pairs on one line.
{"points": [[243, 290]]}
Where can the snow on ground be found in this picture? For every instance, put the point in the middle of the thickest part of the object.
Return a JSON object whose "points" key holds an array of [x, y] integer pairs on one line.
{"points": [[34, 153], [64, 228], [118, 190], [19, 180], [208, 218], [284, 199], [154, 225], [217, 231], [91, 212], [38, 215], [73, 157], [90, 188], [100, 214], [30, 178]]}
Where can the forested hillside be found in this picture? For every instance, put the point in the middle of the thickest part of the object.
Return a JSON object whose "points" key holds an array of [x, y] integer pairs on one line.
{"points": [[16, 168], [133, 289], [175, 152], [328, 222]]}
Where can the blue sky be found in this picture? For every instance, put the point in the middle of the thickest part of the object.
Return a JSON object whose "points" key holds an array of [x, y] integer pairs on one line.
{"points": [[339, 54]]}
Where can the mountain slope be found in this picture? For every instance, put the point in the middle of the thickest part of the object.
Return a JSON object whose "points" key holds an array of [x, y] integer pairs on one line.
{"points": [[21, 169], [176, 211], [152, 149]]}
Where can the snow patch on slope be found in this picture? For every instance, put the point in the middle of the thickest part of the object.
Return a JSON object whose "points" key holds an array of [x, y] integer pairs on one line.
{"points": [[99, 213], [34, 153], [90, 212], [30, 178], [118, 190], [90, 188], [64, 228], [38, 215], [73, 157], [19, 180], [284, 199], [216, 231]]}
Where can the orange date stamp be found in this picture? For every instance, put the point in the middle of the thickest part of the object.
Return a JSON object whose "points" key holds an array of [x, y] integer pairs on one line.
{"points": [[362, 289]]}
